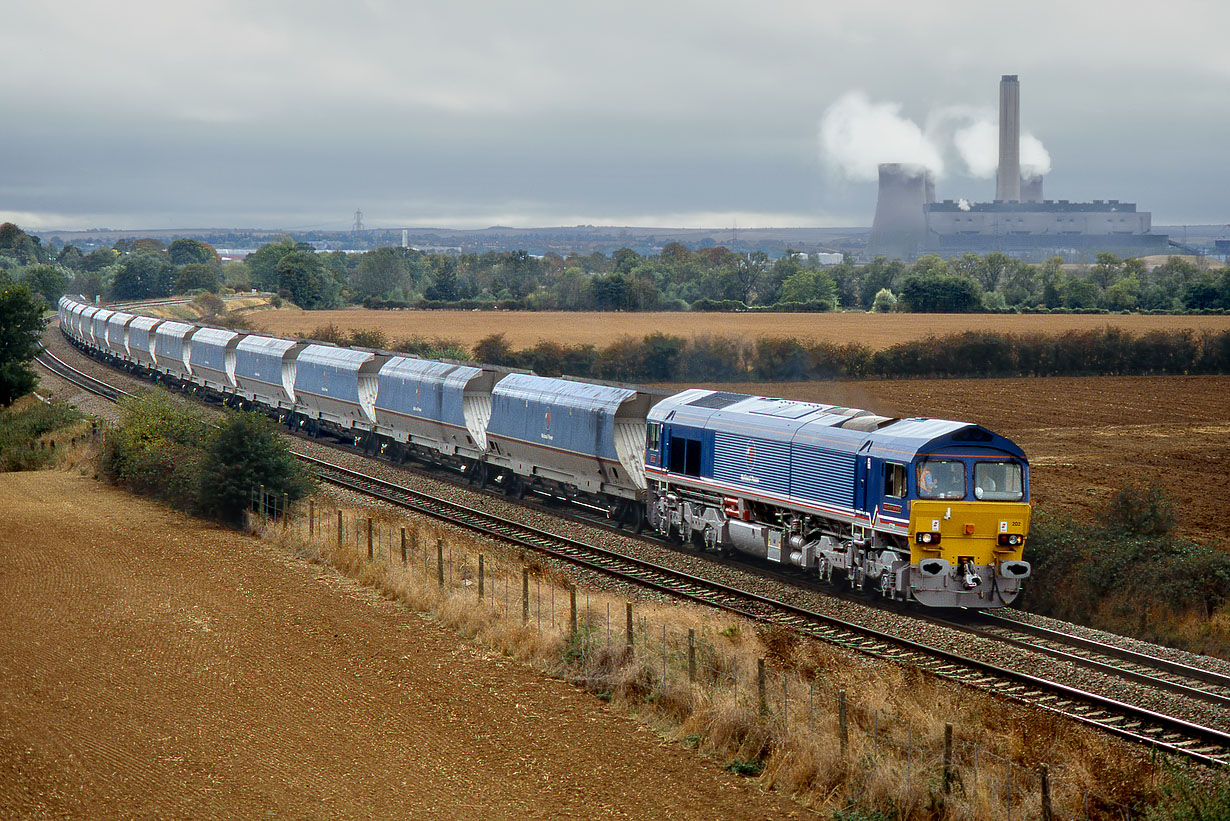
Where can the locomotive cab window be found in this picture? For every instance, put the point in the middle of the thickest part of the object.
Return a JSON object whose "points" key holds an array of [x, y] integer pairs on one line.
{"points": [[998, 481], [894, 480], [941, 479], [653, 436]]}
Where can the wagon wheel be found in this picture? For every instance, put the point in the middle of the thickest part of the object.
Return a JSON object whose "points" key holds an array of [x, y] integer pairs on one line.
{"points": [[635, 517]]}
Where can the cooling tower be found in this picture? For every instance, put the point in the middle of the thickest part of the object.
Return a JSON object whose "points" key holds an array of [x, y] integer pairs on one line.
{"points": [[900, 228], [929, 187], [1031, 187], [1008, 179]]}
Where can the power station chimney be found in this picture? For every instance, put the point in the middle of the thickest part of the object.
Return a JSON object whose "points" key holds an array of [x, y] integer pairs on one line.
{"points": [[1008, 179], [900, 227], [1031, 187]]}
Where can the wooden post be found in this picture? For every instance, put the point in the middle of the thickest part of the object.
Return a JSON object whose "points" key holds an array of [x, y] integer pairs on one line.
{"points": [[691, 655], [440, 561], [947, 757], [628, 616], [403, 545], [844, 727], [525, 595], [480, 577], [264, 505], [371, 554], [1045, 776], [572, 598], [285, 510], [341, 531], [311, 517], [760, 686]]}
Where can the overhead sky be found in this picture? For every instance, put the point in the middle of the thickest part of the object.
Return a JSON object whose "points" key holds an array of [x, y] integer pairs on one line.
{"points": [[138, 114]]}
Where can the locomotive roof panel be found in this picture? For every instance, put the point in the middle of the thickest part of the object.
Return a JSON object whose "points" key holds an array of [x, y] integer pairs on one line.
{"points": [[906, 439]]}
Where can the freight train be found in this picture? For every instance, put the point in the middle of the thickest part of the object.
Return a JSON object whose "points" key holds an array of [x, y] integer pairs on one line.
{"points": [[915, 509]]}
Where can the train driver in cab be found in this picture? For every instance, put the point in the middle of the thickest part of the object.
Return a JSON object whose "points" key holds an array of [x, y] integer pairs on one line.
{"points": [[941, 480]]}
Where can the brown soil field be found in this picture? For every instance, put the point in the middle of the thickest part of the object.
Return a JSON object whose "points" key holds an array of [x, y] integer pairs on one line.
{"points": [[1085, 436], [523, 329], [153, 666]]}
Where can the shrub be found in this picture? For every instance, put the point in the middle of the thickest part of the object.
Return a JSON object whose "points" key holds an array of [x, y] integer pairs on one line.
{"points": [[245, 453]]}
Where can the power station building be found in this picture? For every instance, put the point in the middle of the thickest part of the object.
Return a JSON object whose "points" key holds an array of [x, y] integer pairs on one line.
{"points": [[1019, 222]]}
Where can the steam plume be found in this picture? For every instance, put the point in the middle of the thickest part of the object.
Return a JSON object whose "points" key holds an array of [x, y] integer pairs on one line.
{"points": [[856, 135]]}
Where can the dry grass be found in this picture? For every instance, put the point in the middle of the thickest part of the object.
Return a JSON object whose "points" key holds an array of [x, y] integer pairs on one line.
{"points": [[896, 716], [525, 329]]}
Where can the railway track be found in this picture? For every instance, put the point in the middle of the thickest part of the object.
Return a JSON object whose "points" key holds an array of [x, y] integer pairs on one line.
{"points": [[1207, 745]]}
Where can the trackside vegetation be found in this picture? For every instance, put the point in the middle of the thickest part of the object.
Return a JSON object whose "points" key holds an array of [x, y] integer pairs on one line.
{"points": [[28, 435], [171, 451], [1129, 574], [660, 357]]}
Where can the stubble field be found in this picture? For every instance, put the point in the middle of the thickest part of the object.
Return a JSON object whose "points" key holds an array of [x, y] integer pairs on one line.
{"points": [[524, 329]]}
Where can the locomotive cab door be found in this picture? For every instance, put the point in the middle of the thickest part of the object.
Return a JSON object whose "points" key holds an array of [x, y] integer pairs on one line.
{"points": [[862, 475]]}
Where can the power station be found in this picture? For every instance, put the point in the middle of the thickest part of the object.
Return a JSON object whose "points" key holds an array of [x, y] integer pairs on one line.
{"points": [[909, 221]]}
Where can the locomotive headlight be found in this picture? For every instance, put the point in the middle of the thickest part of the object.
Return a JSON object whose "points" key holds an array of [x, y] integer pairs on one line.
{"points": [[1011, 539], [927, 538]]}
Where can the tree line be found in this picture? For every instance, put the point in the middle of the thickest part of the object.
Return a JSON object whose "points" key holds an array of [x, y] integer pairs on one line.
{"points": [[660, 357], [677, 278]]}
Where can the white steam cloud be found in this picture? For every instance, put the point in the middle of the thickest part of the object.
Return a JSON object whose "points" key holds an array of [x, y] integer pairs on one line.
{"points": [[857, 134]]}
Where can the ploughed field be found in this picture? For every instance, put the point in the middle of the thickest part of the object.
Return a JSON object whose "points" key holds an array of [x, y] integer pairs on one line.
{"points": [[523, 329], [1084, 436], [155, 666]]}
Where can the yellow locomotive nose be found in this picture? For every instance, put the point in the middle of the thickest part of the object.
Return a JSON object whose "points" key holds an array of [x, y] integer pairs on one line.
{"points": [[968, 531]]}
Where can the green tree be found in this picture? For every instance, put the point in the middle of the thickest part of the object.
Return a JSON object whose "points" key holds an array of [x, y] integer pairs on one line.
{"points": [[263, 263], [444, 285], [47, 281], [302, 274], [940, 293], [1107, 271], [808, 285], [880, 273], [70, 257], [186, 251], [246, 453], [21, 324], [141, 276], [98, 260], [20, 247], [885, 302], [381, 273], [197, 276]]}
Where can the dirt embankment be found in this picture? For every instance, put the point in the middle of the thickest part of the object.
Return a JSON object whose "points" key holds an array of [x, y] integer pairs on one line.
{"points": [[153, 666]]}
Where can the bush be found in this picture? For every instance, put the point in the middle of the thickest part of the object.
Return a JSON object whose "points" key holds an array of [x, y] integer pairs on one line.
{"points": [[246, 453], [171, 452], [1128, 574]]}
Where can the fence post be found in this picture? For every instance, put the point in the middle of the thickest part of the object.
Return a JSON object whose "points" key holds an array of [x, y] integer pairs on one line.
{"points": [[525, 595], [264, 506], [1045, 776], [844, 728], [285, 510], [440, 562], [311, 517], [370, 552], [341, 531], [691, 655], [947, 757], [764, 703], [480, 577], [628, 616], [403, 545], [572, 598]]}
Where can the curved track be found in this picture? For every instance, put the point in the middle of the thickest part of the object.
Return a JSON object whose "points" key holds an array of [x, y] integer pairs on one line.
{"points": [[1205, 744]]}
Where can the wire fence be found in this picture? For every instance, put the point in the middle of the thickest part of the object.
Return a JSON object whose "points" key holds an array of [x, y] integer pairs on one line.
{"points": [[610, 649]]}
